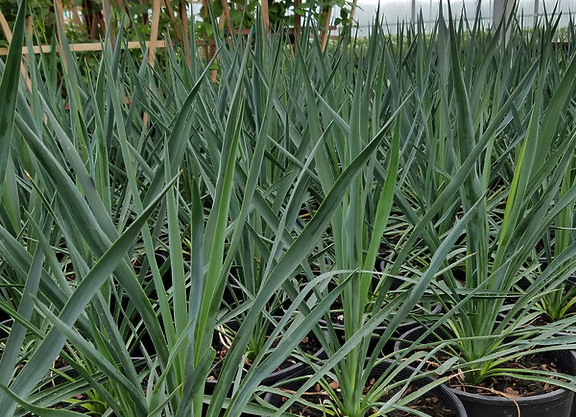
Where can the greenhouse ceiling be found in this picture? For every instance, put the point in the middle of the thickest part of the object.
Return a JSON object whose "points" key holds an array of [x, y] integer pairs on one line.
{"points": [[490, 11]]}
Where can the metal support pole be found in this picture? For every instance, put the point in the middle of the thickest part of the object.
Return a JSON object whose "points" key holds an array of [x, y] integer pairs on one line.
{"points": [[501, 14], [502, 10]]}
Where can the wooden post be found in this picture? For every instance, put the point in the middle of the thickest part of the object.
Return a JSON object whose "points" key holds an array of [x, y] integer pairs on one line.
{"points": [[154, 32], [326, 29], [8, 33], [183, 11], [297, 24], [227, 18], [169, 9], [353, 10], [152, 44], [5, 27], [265, 16], [178, 31], [206, 47], [107, 14], [59, 12], [221, 23], [145, 17], [76, 18], [29, 27]]}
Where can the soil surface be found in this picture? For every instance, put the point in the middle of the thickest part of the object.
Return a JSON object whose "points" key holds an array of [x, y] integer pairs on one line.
{"points": [[501, 385], [506, 386]]}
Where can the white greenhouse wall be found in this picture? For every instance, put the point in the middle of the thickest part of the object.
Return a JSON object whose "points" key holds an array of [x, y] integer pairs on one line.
{"points": [[394, 11]]}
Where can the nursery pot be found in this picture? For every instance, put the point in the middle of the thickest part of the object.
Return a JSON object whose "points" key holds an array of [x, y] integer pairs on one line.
{"points": [[395, 284], [557, 403], [524, 283], [445, 395], [379, 331], [289, 372], [409, 325], [232, 294], [6, 327]]}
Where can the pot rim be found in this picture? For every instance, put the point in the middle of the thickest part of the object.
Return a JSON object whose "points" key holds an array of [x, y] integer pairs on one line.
{"points": [[526, 401], [292, 370], [442, 391], [500, 400]]}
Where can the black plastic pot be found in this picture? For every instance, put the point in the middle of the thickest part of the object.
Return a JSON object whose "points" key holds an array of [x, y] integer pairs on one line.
{"points": [[161, 259], [409, 325], [232, 294], [379, 331], [524, 283], [58, 377], [6, 327], [289, 372], [444, 394], [557, 403], [146, 279]]}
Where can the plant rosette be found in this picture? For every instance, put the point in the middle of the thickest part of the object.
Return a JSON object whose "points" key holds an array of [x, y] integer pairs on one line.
{"points": [[401, 391], [560, 302], [519, 385]]}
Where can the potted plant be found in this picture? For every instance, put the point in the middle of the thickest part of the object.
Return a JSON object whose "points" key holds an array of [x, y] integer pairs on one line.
{"points": [[499, 248], [216, 197], [357, 226]]}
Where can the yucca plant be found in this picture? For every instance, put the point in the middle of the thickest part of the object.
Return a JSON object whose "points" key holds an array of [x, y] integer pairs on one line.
{"points": [[341, 100], [558, 303], [98, 166], [500, 244]]}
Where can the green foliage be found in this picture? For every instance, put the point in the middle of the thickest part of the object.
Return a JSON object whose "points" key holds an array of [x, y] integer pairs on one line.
{"points": [[135, 196], [42, 14]]}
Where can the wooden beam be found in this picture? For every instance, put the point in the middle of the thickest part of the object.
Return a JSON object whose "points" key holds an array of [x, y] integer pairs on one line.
{"points": [[85, 47]]}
